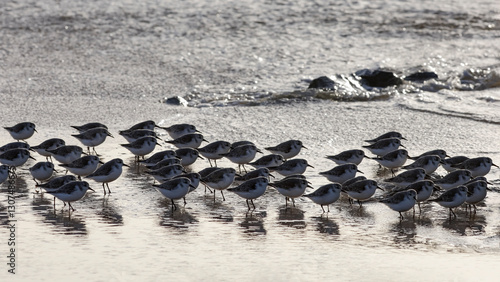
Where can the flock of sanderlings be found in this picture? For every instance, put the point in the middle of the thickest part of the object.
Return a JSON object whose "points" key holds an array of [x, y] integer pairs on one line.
{"points": [[465, 182]]}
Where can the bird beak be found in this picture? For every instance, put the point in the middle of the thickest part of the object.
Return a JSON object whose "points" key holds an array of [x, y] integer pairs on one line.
{"points": [[360, 172], [101, 162], [304, 147], [200, 157], [402, 146], [494, 164], [124, 164], [205, 140], [310, 165], [378, 187], [91, 189], [271, 175], [259, 151]]}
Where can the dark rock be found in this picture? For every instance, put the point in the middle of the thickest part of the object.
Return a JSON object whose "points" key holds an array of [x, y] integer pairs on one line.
{"points": [[379, 78], [421, 76], [322, 82], [176, 100]]}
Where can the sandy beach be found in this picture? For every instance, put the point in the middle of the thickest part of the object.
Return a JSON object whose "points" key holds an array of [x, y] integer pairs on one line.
{"points": [[69, 63]]}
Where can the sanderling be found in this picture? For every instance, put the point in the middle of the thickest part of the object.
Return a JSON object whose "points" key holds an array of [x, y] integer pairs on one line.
{"points": [[341, 173], [42, 171], [452, 198], [165, 162], [242, 155], [83, 166], [424, 189], [291, 188], [159, 156], [449, 163], [384, 146], [4, 173], [251, 189], [293, 166], [148, 124], [174, 189], [301, 176], [390, 134], [215, 151], [408, 177], [271, 160], [476, 192], [188, 155], [133, 135], [56, 182], [325, 195], [441, 153], [177, 130], [477, 166], [220, 179], [350, 156], [49, 144], [287, 149], [361, 190], [429, 163], [87, 126], [191, 140], [401, 201], [66, 154], [241, 143], [108, 172], [393, 160], [141, 146], [165, 173], [478, 178], [206, 171], [71, 192], [454, 179], [22, 131], [352, 180], [194, 177], [93, 137], [260, 172], [15, 157], [15, 145]]}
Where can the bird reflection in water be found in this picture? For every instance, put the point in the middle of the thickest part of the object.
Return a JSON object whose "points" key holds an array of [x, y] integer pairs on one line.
{"points": [[404, 232], [466, 226], [66, 223], [179, 219], [326, 225], [109, 214], [253, 223], [291, 217]]}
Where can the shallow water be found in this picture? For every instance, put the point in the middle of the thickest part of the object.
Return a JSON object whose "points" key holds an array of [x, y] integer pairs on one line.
{"points": [[70, 62]]}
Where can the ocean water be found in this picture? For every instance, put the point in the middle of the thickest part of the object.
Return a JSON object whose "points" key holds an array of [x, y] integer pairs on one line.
{"points": [[244, 68]]}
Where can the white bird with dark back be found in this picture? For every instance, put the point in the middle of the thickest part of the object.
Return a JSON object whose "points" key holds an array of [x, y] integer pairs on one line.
{"points": [[107, 173]]}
